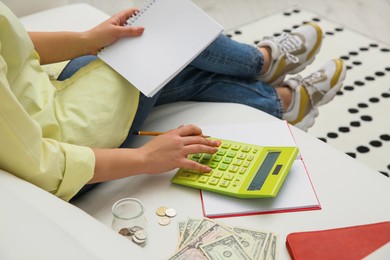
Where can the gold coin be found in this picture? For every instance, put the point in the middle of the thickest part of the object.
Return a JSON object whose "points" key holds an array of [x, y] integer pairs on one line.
{"points": [[161, 211]]}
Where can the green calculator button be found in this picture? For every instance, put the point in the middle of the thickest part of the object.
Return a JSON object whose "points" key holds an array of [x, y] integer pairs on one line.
{"points": [[227, 160], [221, 152], [242, 171], [203, 179], [250, 157], [213, 181], [213, 165], [223, 166], [188, 176], [246, 149], [246, 164], [241, 156], [233, 168], [225, 145], [236, 147], [237, 162], [218, 174], [197, 155], [231, 154], [224, 184], [206, 156], [228, 176], [217, 158]]}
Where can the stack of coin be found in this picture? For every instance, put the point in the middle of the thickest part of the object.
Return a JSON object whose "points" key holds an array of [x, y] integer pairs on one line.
{"points": [[136, 233], [165, 214]]}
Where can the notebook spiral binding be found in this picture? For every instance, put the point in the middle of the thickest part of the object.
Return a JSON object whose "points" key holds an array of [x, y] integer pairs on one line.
{"points": [[144, 8]]}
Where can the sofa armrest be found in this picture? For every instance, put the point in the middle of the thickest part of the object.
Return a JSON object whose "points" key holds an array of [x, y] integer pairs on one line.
{"points": [[37, 225], [22, 8], [74, 17]]}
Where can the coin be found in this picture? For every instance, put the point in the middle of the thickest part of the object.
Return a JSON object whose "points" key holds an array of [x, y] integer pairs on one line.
{"points": [[161, 211], [138, 241], [124, 232], [134, 229], [141, 234], [170, 212], [163, 221]]}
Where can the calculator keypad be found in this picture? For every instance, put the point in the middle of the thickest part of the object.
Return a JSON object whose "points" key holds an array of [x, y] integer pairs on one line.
{"points": [[229, 165]]}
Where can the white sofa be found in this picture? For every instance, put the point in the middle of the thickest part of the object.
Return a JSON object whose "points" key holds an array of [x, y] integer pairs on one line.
{"points": [[37, 225]]}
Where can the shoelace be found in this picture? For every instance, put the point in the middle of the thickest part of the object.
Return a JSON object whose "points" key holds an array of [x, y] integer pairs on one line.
{"points": [[307, 81], [287, 43]]}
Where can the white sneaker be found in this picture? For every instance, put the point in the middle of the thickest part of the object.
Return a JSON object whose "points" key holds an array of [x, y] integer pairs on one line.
{"points": [[313, 91], [291, 52]]}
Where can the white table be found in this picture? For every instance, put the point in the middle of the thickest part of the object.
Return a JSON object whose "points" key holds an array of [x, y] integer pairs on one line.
{"points": [[350, 193]]}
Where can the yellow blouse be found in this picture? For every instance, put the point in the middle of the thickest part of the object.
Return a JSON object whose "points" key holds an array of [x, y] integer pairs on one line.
{"points": [[47, 128]]}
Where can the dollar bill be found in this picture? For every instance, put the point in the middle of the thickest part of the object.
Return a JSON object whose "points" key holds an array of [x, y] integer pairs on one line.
{"points": [[267, 247], [253, 242], [202, 226], [273, 250], [225, 248], [192, 249], [189, 228], [180, 230]]}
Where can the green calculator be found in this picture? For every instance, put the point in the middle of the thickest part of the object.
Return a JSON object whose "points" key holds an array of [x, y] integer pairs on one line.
{"points": [[240, 170]]}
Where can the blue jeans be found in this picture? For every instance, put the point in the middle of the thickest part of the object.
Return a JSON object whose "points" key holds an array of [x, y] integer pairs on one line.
{"points": [[226, 71]]}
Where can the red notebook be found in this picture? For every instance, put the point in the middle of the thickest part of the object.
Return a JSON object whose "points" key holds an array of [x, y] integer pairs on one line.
{"points": [[353, 242]]}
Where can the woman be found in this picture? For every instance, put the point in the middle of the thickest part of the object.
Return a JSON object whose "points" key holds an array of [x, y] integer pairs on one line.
{"points": [[62, 134]]}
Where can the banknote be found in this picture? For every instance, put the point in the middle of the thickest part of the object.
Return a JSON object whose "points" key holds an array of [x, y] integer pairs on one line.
{"points": [[273, 251], [202, 226], [253, 242], [209, 239], [192, 249], [225, 248], [189, 228]]}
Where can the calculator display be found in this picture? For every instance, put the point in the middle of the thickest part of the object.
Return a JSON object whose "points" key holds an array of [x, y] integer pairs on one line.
{"points": [[264, 170]]}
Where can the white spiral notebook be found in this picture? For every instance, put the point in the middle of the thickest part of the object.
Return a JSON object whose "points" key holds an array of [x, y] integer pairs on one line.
{"points": [[176, 31]]}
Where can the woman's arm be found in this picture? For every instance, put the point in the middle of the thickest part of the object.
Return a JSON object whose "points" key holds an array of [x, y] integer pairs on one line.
{"points": [[163, 153], [60, 46]]}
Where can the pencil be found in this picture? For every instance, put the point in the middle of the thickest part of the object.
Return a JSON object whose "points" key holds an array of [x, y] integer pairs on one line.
{"points": [[154, 133]]}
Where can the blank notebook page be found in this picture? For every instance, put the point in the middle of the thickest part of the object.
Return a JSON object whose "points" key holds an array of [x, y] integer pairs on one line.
{"points": [[176, 31]]}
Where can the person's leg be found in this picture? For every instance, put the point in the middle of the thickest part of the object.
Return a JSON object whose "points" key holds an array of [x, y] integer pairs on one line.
{"points": [[296, 100], [74, 65], [270, 61], [193, 84]]}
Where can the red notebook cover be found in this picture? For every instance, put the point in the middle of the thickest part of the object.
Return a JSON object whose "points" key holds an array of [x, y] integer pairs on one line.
{"points": [[353, 242]]}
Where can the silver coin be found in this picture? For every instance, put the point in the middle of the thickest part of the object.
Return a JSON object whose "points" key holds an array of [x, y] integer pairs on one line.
{"points": [[134, 229], [138, 241], [141, 234], [170, 212], [163, 221]]}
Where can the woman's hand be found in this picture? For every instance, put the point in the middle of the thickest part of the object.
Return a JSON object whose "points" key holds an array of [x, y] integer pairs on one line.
{"points": [[163, 153], [61, 46], [170, 150], [112, 30]]}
